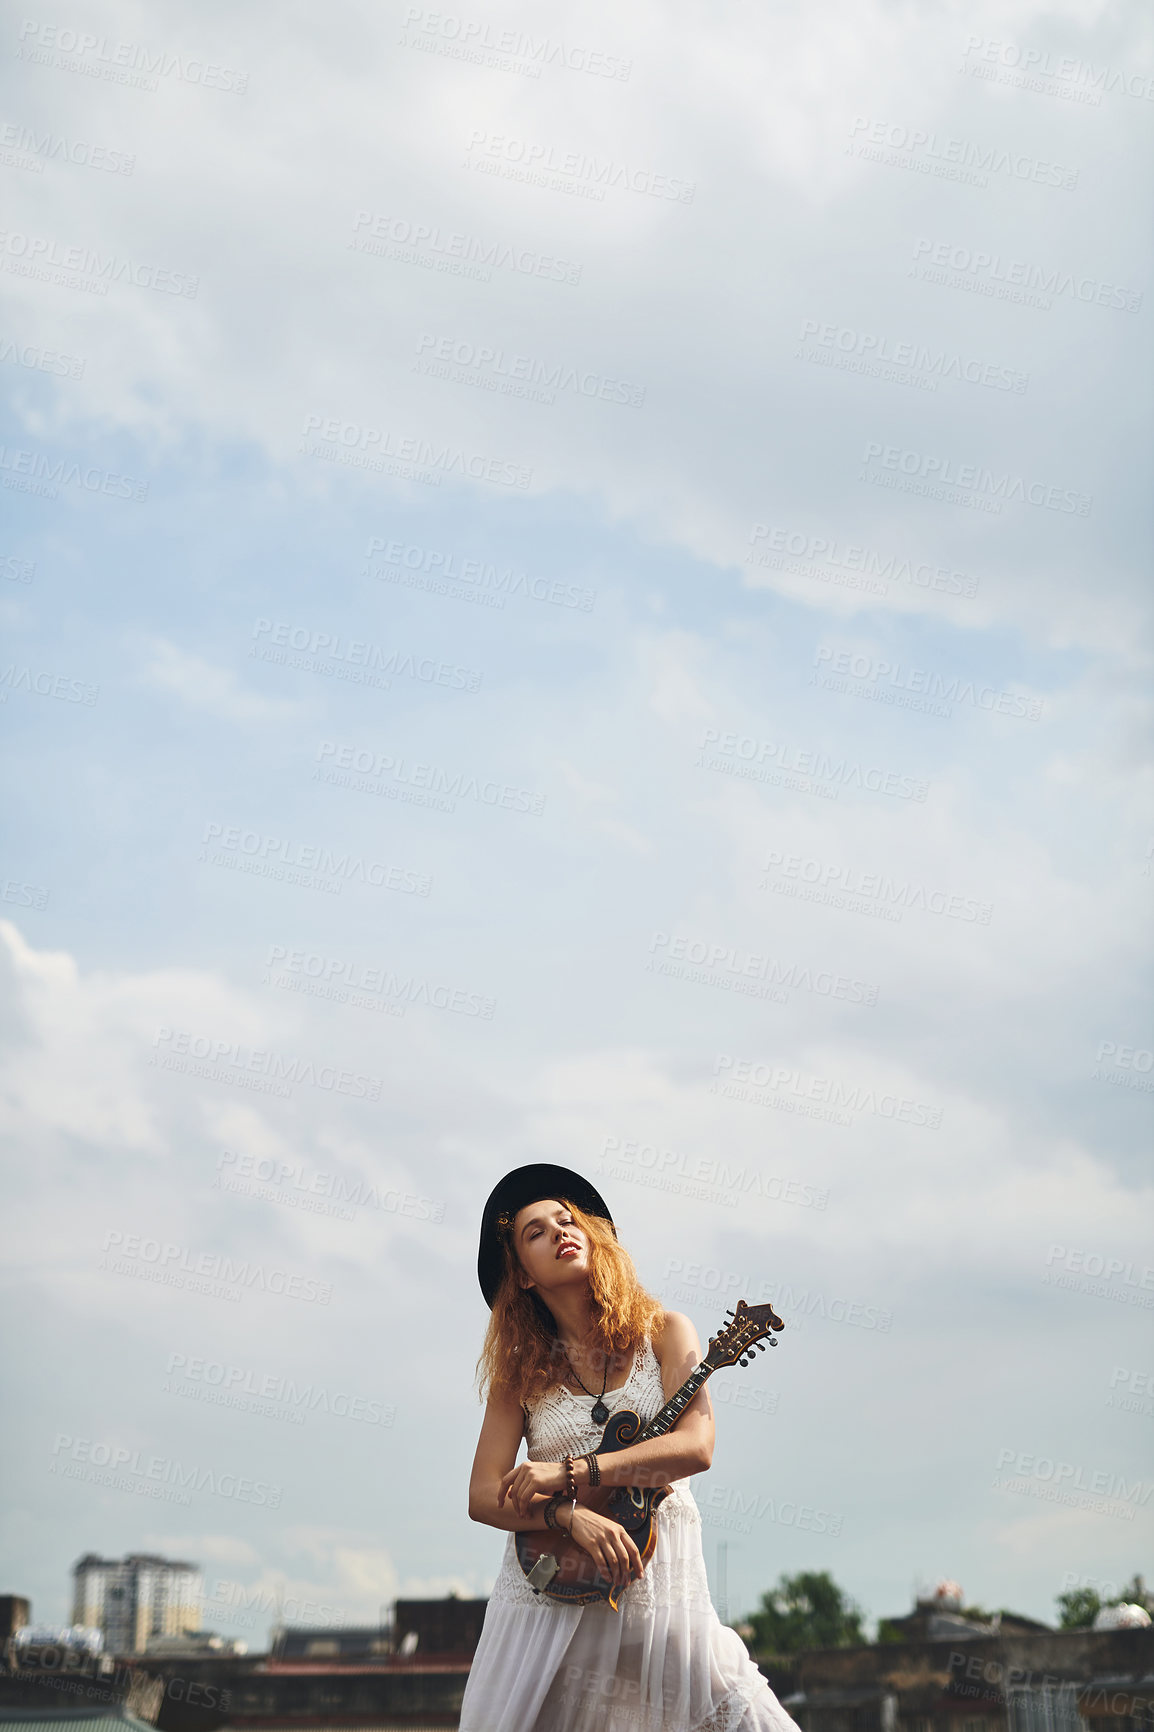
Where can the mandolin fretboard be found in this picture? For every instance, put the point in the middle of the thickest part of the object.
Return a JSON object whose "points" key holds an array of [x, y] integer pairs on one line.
{"points": [[676, 1405]]}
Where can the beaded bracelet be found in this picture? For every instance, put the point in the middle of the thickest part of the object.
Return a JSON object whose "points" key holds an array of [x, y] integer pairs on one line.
{"points": [[594, 1468], [570, 1479], [550, 1512]]}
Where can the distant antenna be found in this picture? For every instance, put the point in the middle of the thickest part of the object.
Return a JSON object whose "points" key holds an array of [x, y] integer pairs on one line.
{"points": [[277, 1630]]}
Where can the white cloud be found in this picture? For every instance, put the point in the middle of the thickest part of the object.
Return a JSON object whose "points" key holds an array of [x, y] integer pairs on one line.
{"points": [[707, 297], [215, 1548], [203, 686]]}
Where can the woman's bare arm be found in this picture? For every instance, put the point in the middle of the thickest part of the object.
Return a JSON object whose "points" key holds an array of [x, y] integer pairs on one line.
{"points": [[497, 1446], [606, 1541]]}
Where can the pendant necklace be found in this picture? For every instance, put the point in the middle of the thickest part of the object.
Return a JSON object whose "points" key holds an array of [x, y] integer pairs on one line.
{"points": [[600, 1412]]}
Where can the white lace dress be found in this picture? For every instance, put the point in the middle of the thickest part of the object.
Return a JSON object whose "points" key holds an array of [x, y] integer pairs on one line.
{"points": [[662, 1663]]}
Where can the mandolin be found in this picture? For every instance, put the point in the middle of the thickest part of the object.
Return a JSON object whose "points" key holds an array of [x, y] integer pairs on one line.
{"points": [[556, 1565]]}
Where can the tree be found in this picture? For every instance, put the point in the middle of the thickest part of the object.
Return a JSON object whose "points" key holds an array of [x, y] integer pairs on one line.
{"points": [[806, 1611], [1078, 1608]]}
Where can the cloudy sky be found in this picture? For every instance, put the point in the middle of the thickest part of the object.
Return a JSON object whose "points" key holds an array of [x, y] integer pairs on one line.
{"points": [[575, 590]]}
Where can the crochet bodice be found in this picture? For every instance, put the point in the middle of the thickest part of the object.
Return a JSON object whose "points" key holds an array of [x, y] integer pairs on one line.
{"points": [[559, 1421]]}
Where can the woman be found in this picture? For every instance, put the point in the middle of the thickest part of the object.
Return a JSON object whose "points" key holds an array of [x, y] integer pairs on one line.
{"points": [[573, 1337]]}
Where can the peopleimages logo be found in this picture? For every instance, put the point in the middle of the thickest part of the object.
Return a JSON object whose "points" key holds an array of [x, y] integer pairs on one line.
{"points": [[25, 895], [1117, 1065], [274, 855], [944, 472], [958, 158], [41, 252], [782, 765], [698, 1278], [371, 447], [464, 255], [1036, 64], [243, 1601], [853, 1097], [356, 983], [46, 685], [1069, 1482], [40, 360], [419, 783], [177, 1266], [225, 1056], [890, 682], [243, 1387], [873, 893], [444, 568], [1100, 1275], [1005, 278], [320, 651], [728, 1507], [40, 472], [152, 1475], [331, 1193], [707, 1179], [507, 50], [728, 960], [1082, 1262], [592, 174], [873, 355], [103, 57], [492, 368], [849, 563], [53, 147], [1138, 1383]]}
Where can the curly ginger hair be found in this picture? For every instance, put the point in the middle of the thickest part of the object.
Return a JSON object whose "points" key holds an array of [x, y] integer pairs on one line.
{"points": [[519, 1356]]}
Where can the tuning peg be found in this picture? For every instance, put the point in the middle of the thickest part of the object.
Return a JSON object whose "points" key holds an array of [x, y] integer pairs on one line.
{"points": [[773, 1341], [760, 1345], [743, 1361]]}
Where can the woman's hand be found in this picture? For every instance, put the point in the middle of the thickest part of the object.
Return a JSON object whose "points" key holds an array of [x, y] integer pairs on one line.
{"points": [[533, 1479], [610, 1546]]}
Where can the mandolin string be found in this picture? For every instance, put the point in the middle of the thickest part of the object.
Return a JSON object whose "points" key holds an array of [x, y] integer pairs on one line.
{"points": [[676, 1405]]}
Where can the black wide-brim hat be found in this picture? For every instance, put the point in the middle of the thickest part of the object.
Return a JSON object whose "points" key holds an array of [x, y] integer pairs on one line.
{"points": [[522, 1186]]}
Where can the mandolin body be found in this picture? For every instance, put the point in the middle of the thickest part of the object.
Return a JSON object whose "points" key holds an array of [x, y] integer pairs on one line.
{"points": [[557, 1566]]}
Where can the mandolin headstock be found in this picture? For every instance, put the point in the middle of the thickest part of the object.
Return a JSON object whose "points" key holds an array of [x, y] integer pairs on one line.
{"points": [[747, 1331]]}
